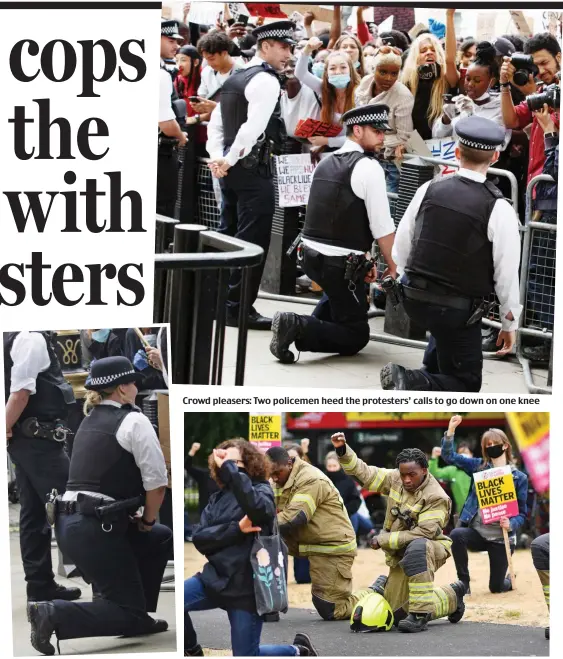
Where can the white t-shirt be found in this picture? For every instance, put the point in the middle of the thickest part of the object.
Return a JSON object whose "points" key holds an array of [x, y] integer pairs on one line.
{"points": [[302, 106], [165, 111]]}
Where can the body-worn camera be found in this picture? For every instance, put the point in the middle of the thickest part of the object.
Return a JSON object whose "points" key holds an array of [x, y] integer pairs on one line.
{"points": [[551, 96], [524, 65]]}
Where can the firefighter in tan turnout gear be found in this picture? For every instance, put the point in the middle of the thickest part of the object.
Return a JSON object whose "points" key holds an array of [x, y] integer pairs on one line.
{"points": [[314, 523], [412, 538]]}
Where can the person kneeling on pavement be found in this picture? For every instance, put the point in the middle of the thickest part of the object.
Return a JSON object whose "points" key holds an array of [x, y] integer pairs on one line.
{"points": [[116, 466], [412, 538], [243, 507]]}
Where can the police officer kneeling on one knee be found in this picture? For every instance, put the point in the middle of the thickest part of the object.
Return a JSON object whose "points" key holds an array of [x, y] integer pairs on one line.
{"points": [[347, 210], [38, 402], [456, 244], [171, 118], [244, 132], [116, 465]]}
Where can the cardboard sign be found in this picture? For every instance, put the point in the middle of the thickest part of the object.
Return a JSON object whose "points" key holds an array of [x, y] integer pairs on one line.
{"points": [[443, 148], [486, 26], [294, 178], [496, 494], [386, 25], [322, 13], [413, 32], [521, 23], [264, 431], [531, 432], [205, 13]]}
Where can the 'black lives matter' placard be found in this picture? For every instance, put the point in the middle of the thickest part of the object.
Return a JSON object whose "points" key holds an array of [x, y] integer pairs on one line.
{"points": [[78, 125]]}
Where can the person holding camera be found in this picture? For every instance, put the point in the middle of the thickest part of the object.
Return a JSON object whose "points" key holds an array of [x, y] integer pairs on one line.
{"points": [[412, 538], [243, 507], [244, 132], [116, 467], [544, 60], [457, 242], [472, 534], [170, 116], [38, 399], [347, 210]]}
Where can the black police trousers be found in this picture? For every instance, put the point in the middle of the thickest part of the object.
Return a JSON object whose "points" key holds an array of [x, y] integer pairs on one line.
{"points": [[339, 323], [453, 359], [126, 566], [41, 465], [166, 181], [247, 211]]}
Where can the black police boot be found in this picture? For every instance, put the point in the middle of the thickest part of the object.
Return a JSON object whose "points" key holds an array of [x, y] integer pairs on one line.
{"points": [[414, 622], [379, 585], [547, 633], [459, 589], [286, 327], [303, 642], [41, 617], [467, 587], [54, 592], [154, 626], [394, 376], [196, 651], [537, 354], [255, 320]]}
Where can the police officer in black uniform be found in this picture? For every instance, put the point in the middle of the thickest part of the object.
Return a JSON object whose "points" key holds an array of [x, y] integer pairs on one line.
{"points": [[171, 117], [457, 243], [38, 402], [347, 211], [116, 466], [243, 133]]}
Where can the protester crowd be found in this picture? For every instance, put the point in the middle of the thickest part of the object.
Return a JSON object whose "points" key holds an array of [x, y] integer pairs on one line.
{"points": [[317, 516], [429, 78]]}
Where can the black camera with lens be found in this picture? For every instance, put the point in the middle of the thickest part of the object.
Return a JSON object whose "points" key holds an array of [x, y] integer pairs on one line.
{"points": [[551, 96], [525, 67]]}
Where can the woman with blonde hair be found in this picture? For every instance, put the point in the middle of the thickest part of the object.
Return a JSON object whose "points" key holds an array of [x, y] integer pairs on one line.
{"points": [[472, 534], [384, 87], [429, 73], [336, 90], [116, 467]]}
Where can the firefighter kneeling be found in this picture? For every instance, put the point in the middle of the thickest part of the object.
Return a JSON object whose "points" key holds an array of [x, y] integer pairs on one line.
{"points": [[413, 540]]}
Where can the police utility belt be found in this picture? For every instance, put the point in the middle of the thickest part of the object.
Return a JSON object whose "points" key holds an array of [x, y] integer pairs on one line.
{"points": [[261, 154], [355, 267], [106, 510], [32, 428], [422, 290]]}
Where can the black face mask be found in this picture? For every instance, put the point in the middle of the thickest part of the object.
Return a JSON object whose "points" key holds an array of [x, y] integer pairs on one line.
{"points": [[429, 71], [495, 451], [242, 470]]}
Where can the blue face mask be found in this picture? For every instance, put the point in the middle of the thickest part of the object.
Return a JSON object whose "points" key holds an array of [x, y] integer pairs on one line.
{"points": [[318, 69], [340, 81], [357, 64], [101, 335]]}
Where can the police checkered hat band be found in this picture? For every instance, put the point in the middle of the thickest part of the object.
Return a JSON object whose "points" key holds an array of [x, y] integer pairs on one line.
{"points": [[276, 34], [108, 379], [280, 30], [376, 115], [478, 145], [372, 118], [170, 29]]}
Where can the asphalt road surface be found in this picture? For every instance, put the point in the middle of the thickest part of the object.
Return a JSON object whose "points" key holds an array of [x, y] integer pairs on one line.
{"points": [[335, 639]]}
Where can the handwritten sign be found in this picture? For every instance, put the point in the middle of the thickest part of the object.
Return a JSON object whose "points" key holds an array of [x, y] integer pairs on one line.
{"points": [[264, 431], [496, 494], [486, 26], [443, 148], [204, 13], [295, 173], [531, 432], [521, 22]]}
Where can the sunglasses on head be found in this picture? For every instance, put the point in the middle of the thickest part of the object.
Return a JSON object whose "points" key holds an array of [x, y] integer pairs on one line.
{"points": [[384, 50]]}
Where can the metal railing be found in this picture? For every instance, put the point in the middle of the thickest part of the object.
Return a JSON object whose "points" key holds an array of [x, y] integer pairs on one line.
{"points": [[200, 266]]}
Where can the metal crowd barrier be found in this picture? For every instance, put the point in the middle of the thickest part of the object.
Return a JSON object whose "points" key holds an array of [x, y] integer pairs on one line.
{"points": [[199, 266]]}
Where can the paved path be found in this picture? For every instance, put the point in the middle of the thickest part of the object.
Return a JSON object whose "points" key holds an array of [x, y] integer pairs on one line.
{"points": [[335, 639], [358, 372]]}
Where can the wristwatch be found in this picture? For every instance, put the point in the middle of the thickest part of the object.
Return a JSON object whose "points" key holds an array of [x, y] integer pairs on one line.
{"points": [[145, 523]]}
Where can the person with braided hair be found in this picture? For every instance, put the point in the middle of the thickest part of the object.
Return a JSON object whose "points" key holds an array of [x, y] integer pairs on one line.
{"points": [[412, 538]]}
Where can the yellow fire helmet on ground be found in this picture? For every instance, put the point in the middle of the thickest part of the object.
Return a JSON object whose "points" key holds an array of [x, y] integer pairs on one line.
{"points": [[371, 614]]}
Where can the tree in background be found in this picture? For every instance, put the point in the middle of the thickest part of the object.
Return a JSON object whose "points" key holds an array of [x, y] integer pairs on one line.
{"points": [[211, 428]]}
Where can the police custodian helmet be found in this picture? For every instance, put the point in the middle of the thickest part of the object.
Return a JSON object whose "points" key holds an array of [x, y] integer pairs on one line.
{"points": [[372, 614]]}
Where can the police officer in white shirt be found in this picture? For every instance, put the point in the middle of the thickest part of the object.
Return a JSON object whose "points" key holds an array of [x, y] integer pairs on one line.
{"points": [[243, 133], [116, 466], [346, 212], [38, 402], [170, 135], [457, 243]]}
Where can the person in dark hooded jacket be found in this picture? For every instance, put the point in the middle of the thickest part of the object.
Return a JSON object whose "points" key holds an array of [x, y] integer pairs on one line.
{"points": [[243, 506]]}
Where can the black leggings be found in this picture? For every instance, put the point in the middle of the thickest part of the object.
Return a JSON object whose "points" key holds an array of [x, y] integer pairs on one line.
{"points": [[464, 539]]}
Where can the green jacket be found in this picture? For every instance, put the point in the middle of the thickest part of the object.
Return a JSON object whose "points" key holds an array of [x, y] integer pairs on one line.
{"points": [[459, 480]]}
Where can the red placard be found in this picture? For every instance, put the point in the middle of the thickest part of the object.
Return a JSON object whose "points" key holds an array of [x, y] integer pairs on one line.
{"points": [[265, 9]]}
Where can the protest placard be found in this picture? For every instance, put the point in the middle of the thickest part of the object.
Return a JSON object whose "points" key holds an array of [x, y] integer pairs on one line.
{"points": [[264, 431], [443, 148], [266, 10], [496, 494], [295, 173], [322, 13], [205, 13], [521, 22], [531, 432]]}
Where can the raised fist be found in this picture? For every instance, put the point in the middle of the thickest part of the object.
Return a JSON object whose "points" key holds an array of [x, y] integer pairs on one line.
{"points": [[338, 439]]}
